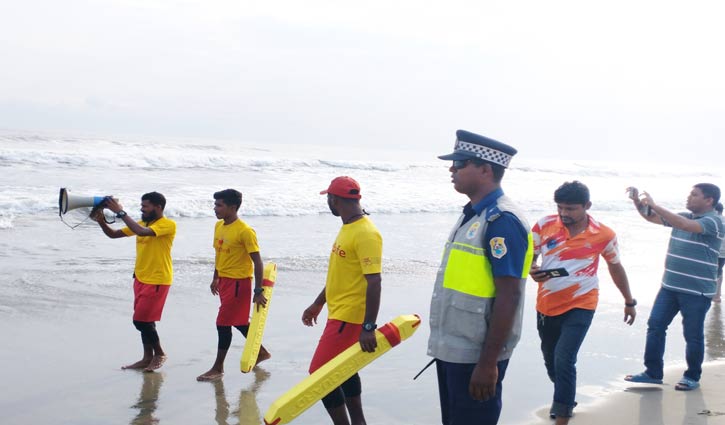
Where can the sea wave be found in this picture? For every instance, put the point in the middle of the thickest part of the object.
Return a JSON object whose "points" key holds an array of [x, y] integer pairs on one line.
{"points": [[285, 181], [599, 169], [175, 159], [6, 220]]}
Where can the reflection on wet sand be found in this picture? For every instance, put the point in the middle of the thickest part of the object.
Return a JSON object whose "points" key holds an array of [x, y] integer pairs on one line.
{"points": [[714, 343], [650, 404], [147, 399], [652, 408], [694, 403], [247, 411]]}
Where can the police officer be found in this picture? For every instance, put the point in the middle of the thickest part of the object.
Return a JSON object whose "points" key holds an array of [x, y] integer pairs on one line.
{"points": [[477, 303]]}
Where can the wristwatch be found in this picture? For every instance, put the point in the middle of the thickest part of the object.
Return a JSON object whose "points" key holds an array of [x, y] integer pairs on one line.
{"points": [[369, 327], [634, 303], [258, 291], [121, 214]]}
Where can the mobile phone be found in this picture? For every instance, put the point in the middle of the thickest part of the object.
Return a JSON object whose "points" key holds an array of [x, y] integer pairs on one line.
{"points": [[560, 272], [646, 210]]}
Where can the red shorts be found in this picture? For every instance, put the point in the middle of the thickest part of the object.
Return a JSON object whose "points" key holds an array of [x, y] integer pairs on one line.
{"points": [[148, 301], [236, 297], [337, 337]]}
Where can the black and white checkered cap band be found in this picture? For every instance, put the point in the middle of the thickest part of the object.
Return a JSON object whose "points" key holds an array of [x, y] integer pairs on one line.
{"points": [[484, 152]]}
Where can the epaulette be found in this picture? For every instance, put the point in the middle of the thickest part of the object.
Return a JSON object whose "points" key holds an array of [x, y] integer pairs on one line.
{"points": [[493, 213]]}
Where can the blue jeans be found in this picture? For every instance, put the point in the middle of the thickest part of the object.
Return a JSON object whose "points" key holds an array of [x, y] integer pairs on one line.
{"points": [[457, 406], [693, 309], [561, 336]]}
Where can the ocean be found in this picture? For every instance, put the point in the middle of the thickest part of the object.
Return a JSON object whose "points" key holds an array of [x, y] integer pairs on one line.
{"points": [[66, 293]]}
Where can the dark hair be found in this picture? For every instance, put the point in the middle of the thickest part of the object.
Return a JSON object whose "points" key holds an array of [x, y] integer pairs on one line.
{"points": [[709, 190], [155, 198], [230, 197], [574, 192], [718, 207], [496, 169]]}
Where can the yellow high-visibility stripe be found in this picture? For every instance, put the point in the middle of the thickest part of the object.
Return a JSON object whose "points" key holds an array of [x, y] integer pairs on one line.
{"points": [[529, 257], [469, 273]]}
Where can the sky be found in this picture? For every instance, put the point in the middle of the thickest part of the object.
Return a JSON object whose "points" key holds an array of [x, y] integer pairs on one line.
{"points": [[556, 79]]}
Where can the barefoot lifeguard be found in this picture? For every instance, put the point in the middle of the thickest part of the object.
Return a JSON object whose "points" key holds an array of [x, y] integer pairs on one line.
{"points": [[236, 261], [153, 272]]}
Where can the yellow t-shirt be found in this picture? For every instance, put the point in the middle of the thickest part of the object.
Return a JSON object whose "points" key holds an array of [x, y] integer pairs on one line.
{"points": [[357, 251], [153, 253], [233, 243]]}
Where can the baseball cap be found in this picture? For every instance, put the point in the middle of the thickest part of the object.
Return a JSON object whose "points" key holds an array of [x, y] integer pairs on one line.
{"points": [[344, 187]]}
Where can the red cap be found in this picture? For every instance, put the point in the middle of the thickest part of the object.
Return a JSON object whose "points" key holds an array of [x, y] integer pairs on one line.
{"points": [[344, 187]]}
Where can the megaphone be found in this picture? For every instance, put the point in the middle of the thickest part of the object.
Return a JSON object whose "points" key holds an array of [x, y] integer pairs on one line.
{"points": [[67, 202]]}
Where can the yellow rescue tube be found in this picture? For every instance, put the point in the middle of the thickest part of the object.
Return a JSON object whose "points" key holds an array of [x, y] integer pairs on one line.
{"points": [[338, 370], [259, 319]]}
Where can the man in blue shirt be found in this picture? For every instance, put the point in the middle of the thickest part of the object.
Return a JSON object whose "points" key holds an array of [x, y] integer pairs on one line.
{"points": [[487, 258], [689, 281]]}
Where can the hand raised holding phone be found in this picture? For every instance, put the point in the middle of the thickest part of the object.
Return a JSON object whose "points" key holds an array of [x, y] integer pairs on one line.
{"points": [[641, 201], [542, 275]]}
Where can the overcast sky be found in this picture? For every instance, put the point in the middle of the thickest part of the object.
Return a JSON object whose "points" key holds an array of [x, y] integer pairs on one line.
{"points": [[572, 79]]}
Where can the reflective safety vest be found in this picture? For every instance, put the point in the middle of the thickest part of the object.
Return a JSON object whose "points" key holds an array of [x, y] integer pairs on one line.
{"points": [[464, 291]]}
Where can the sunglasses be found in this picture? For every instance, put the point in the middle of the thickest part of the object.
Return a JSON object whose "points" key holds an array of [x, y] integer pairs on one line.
{"points": [[463, 163], [460, 163]]}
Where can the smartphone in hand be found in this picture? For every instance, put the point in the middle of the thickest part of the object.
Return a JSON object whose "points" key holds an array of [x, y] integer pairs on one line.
{"points": [[551, 273]]}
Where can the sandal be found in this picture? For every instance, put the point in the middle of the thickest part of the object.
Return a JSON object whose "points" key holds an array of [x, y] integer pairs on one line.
{"points": [[687, 384], [642, 378]]}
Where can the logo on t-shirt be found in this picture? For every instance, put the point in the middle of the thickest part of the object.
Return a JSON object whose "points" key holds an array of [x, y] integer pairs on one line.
{"points": [[337, 249], [498, 247], [220, 247]]}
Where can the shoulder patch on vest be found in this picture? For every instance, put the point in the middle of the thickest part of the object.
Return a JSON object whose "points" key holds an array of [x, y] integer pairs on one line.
{"points": [[498, 247]]}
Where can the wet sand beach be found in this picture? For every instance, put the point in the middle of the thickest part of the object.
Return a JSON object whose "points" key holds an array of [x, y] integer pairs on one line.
{"points": [[645, 404], [66, 322]]}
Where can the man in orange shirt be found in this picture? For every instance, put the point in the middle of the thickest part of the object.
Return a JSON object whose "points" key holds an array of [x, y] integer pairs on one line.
{"points": [[153, 272], [352, 294], [565, 302]]}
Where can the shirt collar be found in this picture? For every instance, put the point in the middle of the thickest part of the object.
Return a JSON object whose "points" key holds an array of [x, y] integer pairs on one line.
{"points": [[487, 201], [711, 212], [592, 225]]}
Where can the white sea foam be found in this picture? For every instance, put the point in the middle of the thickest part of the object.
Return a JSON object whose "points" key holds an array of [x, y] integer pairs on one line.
{"points": [[6, 221], [286, 180]]}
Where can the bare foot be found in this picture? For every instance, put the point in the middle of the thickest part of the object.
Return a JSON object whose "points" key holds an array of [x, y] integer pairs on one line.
{"points": [[210, 375], [141, 364], [156, 362], [263, 355]]}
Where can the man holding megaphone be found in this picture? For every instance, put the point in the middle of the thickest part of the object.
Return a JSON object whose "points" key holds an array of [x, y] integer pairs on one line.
{"points": [[153, 272]]}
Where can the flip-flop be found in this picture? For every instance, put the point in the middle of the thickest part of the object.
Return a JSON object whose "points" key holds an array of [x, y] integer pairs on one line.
{"points": [[642, 378], [687, 384]]}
